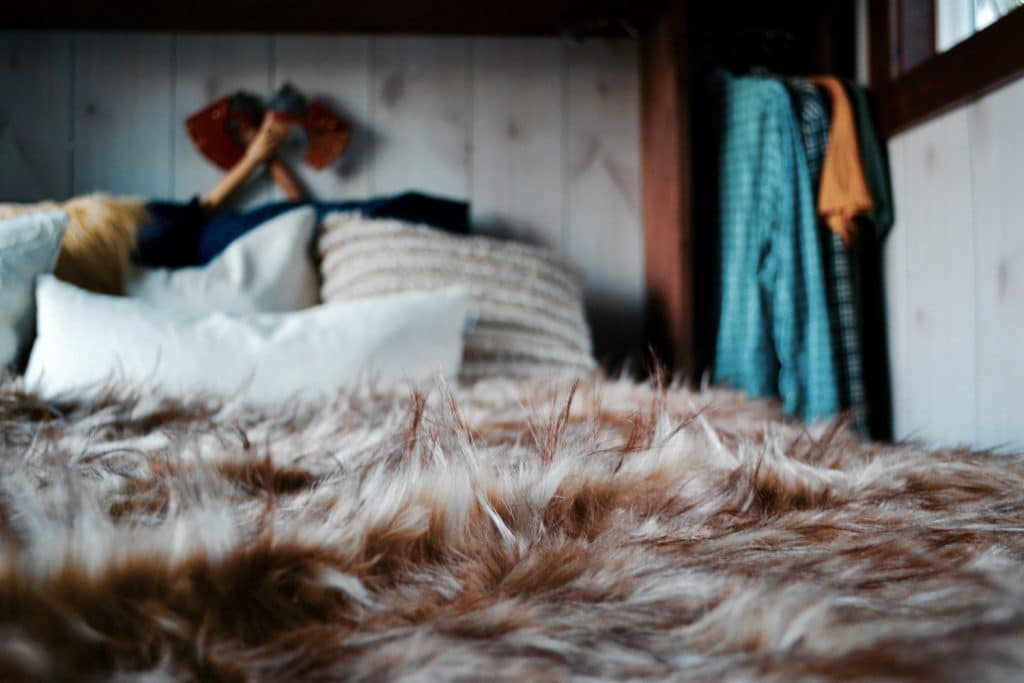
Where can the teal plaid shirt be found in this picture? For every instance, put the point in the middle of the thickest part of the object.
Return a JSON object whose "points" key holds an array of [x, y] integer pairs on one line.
{"points": [[773, 336], [843, 305]]}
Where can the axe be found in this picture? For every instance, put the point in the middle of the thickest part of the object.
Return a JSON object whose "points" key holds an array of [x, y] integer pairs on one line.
{"points": [[221, 129], [327, 134]]}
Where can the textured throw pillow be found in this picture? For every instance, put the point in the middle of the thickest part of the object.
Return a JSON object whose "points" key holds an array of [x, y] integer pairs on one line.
{"points": [[529, 307], [267, 269], [28, 248], [98, 241], [88, 342]]}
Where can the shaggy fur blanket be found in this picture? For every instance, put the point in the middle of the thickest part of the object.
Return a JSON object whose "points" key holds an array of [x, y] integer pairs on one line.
{"points": [[507, 531]]}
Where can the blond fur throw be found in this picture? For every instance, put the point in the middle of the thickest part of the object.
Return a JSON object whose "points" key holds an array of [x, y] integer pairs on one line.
{"points": [[504, 532], [99, 239]]}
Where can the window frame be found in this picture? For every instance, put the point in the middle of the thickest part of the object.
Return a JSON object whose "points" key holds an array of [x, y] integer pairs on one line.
{"points": [[912, 82]]}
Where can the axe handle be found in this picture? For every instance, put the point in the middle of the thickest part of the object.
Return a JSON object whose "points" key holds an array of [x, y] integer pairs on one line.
{"points": [[286, 179], [236, 177], [274, 133], [232, 180]]}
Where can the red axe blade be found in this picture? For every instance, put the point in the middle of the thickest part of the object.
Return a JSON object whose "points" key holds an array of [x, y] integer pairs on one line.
{"points": [[327, 134], [218, 128]]}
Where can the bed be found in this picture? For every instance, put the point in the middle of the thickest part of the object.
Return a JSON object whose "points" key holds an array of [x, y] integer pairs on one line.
{"points": [[586, 528], [529, 530]]}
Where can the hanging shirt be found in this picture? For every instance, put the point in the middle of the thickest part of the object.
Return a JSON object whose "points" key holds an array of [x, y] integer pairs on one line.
{"points": [[843, 193], [868, 269], [844, 315], [874, 161], [773, 334]]}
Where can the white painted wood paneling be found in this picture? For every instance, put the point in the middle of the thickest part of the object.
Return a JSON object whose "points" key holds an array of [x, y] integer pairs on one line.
{"points": [[997, 145], [940, 344], [541, 135], [517, 125], [955, 276], [123, 114], [422, 118], [335, 69], [35, 116], [897, 304], [209, 66], [604, 236]]}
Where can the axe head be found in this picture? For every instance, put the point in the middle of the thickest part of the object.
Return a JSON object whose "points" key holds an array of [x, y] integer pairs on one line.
{"points": [[218, 128], [327, 134]]}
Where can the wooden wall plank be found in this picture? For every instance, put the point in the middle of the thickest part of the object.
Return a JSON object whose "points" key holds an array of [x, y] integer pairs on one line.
{"points": [[335, 69], [421, 115], [208, 67], [997, 145], [940, 344], [123, 114], [604, 237], [35, 115], [894, 258], [517, 125]]}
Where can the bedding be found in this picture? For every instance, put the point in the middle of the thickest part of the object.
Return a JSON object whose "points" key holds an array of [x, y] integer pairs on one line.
{"points": [[530, 306], [180, 235], [98, 241], [540, 530], [269, 269], [86, 339], [28, 248]]}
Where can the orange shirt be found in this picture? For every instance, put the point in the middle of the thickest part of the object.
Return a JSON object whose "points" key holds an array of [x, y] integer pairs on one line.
{"points": [[843, 193]]}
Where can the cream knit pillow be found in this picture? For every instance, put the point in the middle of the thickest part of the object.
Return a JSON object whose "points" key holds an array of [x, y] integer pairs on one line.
{"points": [[529, 307]]}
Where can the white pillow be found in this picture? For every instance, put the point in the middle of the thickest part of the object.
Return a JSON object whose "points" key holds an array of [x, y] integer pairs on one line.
{"points": [[28, 247], [266, 269], [88, 340]]}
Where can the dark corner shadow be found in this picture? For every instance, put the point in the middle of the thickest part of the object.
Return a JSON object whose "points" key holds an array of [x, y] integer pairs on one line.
{"points": [[618, 335]]}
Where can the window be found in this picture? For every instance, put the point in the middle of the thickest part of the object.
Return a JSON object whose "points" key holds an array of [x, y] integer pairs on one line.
{"points": [[927, 56], [956, 20]]}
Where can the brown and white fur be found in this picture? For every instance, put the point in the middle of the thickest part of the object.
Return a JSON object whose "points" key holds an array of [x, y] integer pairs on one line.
{"points": [[509, 531]]}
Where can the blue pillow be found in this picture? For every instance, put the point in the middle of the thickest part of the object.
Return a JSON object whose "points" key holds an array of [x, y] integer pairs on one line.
{"points": [[179, 235]]}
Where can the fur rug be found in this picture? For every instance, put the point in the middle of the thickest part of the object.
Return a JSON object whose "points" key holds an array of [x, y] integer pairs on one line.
{"points": [[502, 532]]}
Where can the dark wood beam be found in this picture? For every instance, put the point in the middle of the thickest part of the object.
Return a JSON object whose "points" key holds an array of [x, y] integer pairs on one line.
{"points": [[463, 17], [883, 41], [667, 200], [968, 70], [902, 36], [917, 32]]}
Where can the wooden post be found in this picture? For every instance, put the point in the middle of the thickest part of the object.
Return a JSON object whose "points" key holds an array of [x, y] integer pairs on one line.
{"points": [[667, 194]]}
